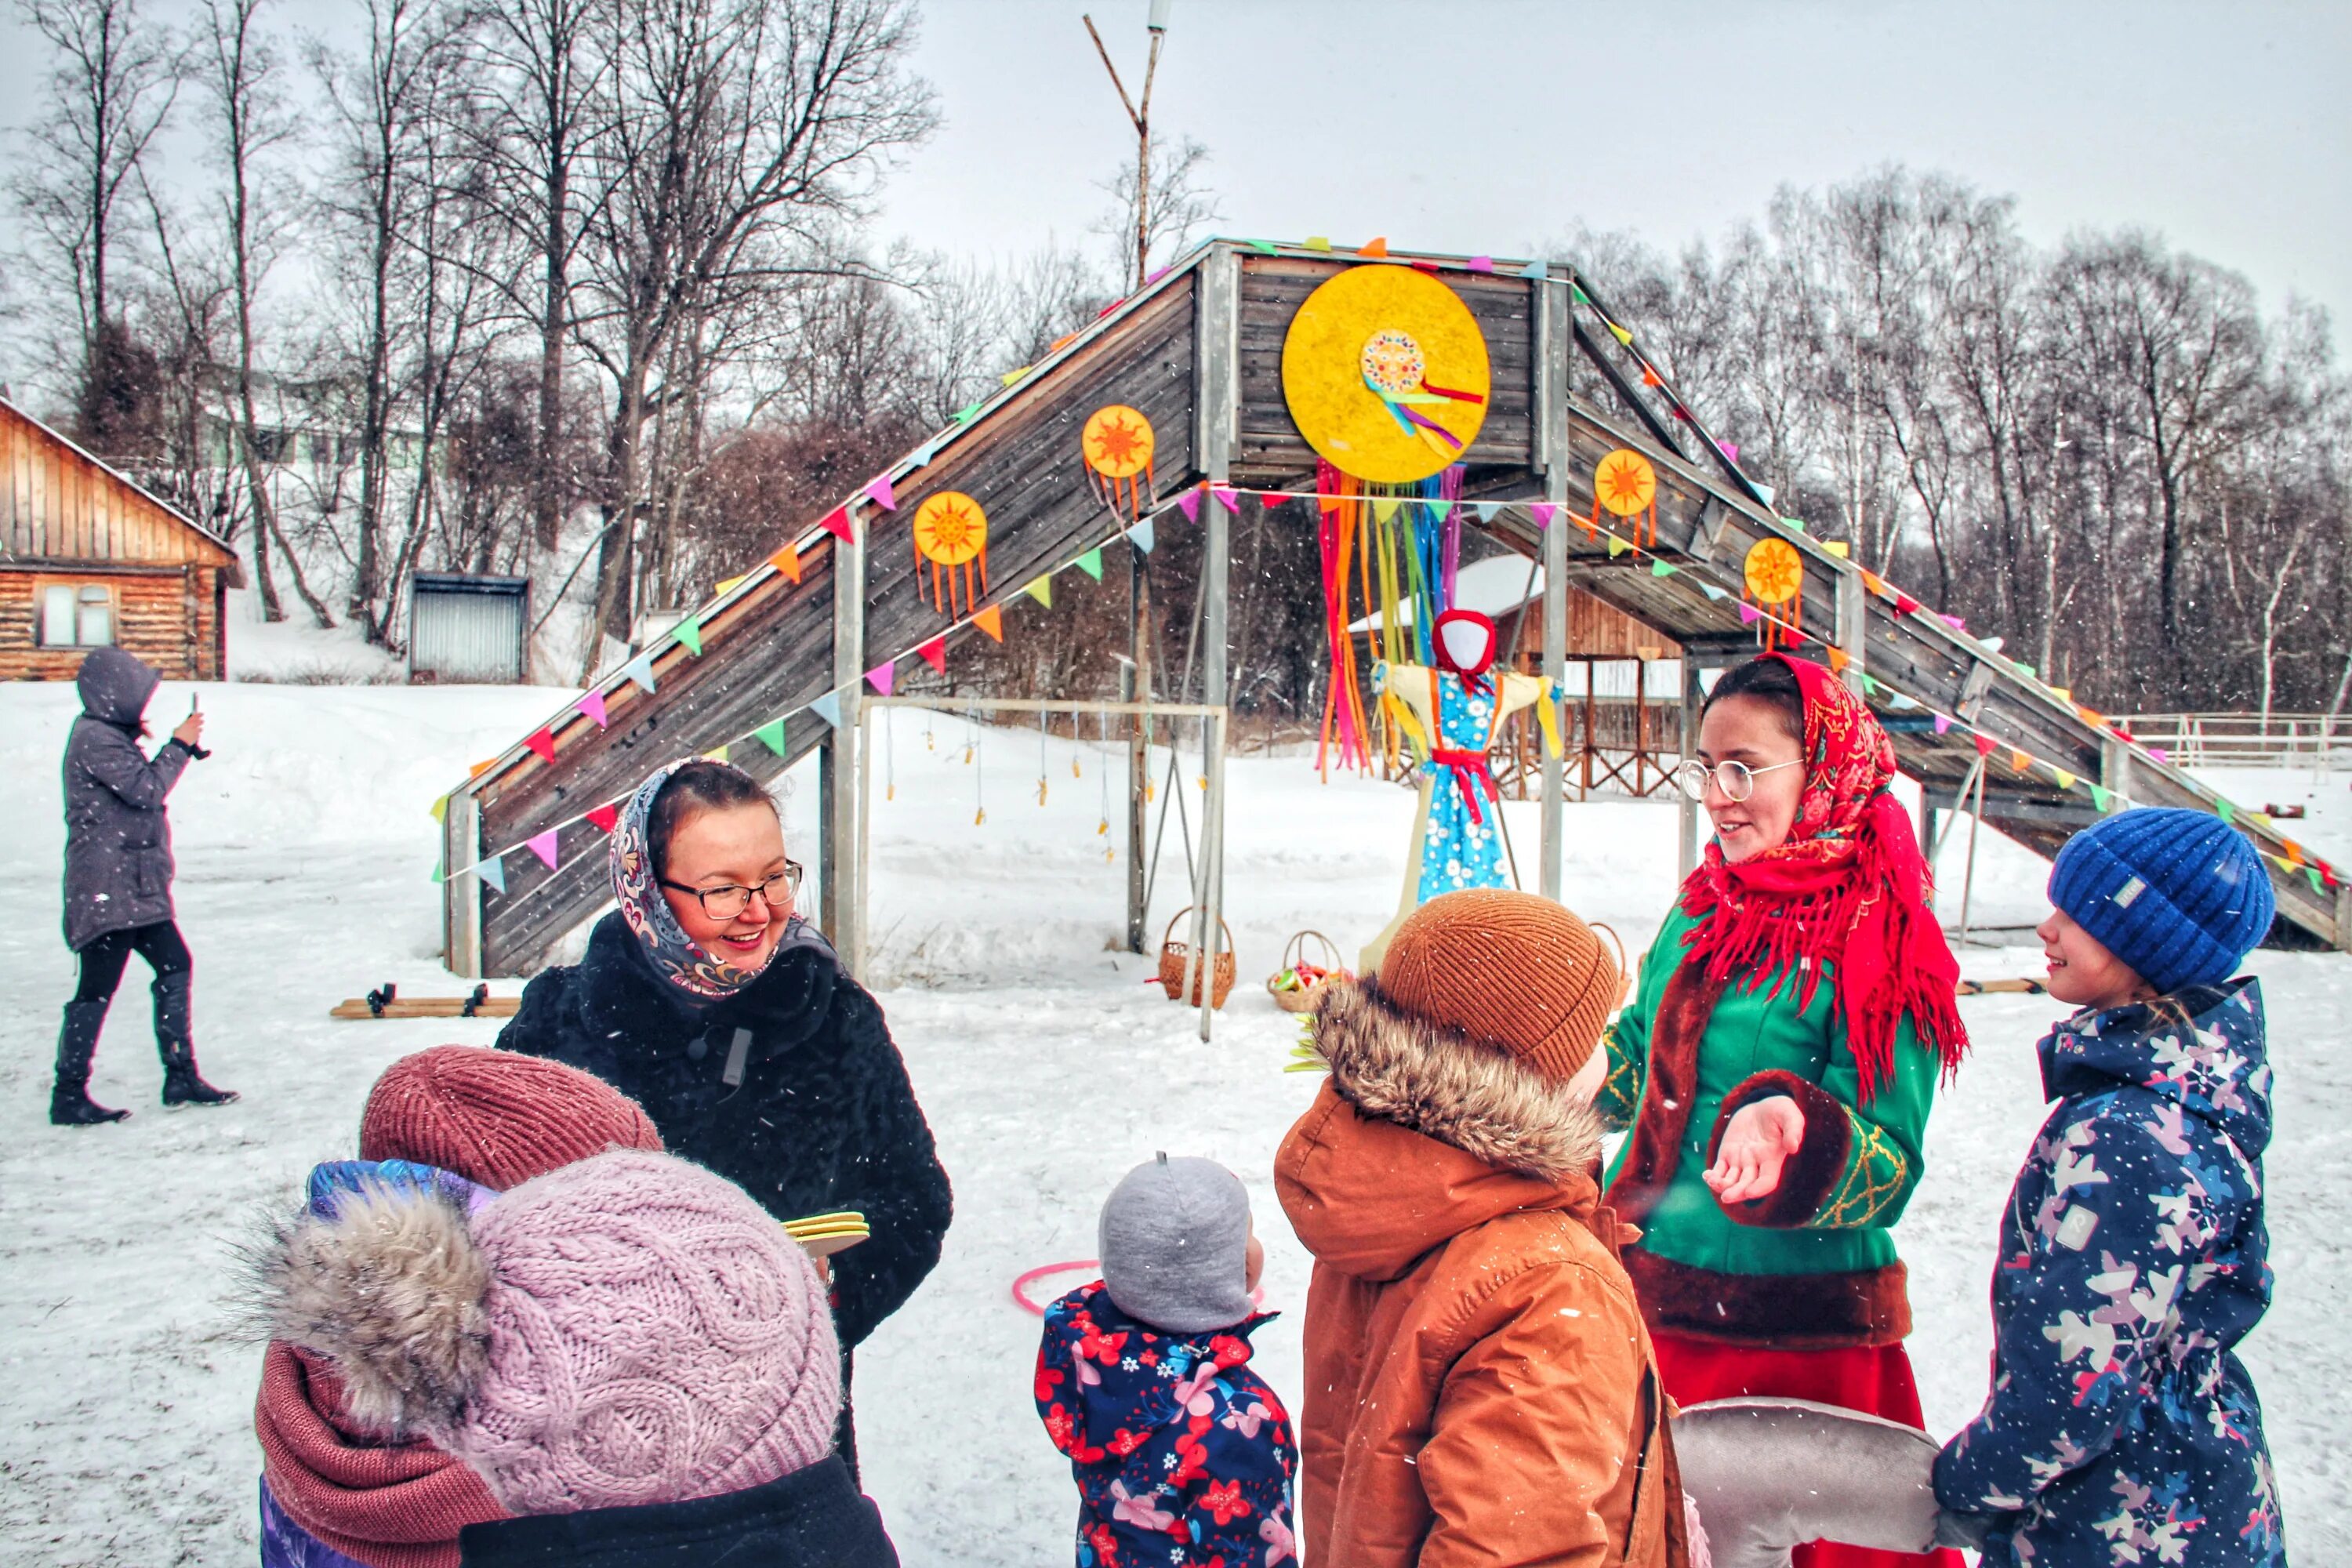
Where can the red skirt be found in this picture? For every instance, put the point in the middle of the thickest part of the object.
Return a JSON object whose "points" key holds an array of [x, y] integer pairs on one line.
{"points": [[1876, 1382]]}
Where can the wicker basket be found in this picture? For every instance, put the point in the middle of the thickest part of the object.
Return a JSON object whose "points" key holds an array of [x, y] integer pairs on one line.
{"points": [[1302, 999], [1175, 957]]}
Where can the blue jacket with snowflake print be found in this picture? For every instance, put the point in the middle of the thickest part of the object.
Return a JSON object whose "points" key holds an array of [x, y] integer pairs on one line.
{"points": [[1183, 1454], [2120, 1428]]}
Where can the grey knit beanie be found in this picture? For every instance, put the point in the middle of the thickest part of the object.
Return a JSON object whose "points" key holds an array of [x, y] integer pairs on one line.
{"points": [[1175, 1245]]}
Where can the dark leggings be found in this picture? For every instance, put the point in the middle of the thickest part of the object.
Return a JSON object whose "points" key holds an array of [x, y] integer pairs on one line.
{"points": [[103, 960]]}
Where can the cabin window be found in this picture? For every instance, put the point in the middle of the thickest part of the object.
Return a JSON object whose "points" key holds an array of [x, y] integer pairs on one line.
{"points": [[76, 614]]}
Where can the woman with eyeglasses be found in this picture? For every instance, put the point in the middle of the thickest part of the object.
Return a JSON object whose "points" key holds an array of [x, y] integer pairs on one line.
{"points": [[1775, 1065], [707, 1000]]}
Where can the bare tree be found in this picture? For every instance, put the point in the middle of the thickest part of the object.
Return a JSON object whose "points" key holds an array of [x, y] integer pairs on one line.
{"points": [[1177, 206], [110, 86]]}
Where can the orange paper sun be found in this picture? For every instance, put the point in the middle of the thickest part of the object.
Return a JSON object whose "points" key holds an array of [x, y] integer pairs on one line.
{"points": [[1774, 572], [1624, 482], [1118, 442], [950, 528]]}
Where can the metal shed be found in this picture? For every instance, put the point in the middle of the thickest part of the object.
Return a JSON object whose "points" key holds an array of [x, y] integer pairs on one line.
{"points": [[468, 630]]}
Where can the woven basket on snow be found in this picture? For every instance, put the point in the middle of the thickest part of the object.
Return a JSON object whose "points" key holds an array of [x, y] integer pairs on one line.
{"points": [[1302, 1000], [1175, 957]]}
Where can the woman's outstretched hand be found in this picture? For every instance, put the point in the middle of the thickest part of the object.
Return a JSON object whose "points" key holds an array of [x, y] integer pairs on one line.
{"points": [[1759, 1139]]}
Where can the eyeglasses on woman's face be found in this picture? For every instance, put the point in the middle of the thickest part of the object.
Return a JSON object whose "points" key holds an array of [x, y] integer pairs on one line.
{"points": [[1736, 780], [729, 899]]}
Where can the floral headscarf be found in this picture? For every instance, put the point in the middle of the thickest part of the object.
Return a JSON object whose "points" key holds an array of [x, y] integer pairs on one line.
{"points": [[674, 955], [1848, 887]]}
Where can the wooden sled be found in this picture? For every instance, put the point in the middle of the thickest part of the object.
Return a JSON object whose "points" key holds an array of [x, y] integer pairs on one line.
{"points": [[384, 1002]]}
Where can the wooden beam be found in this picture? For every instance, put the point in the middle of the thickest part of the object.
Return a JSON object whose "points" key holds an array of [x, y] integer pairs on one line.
{"points": [[837, 768], [1551, 319]]}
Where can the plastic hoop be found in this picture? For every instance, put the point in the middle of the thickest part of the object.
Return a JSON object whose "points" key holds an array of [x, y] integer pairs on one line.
{"points": [[1022, 1281]]}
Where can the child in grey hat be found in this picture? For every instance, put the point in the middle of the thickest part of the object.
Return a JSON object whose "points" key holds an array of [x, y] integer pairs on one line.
{"points": [[1182, 1452]]}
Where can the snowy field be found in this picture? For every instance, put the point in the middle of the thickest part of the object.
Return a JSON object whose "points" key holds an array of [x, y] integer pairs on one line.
{"points": [[1046, 1064]]}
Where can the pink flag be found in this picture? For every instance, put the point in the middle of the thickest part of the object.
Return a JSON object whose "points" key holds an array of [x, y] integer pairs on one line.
{"points": [[543, 845], [1188, 503], [1729, 450], [1541, 511], [1942, 724], [882, 493], [1226, 497], [883, 676], [592, 704], [1953, 621], [1481, 264], [1748, 613]]}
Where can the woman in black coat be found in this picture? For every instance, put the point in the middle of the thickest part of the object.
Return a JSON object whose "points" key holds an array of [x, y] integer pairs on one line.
{"points": [[706, 1000], [118, 883]]}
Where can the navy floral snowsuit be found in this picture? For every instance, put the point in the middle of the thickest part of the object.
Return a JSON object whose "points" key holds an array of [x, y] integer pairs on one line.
{"points": [[1183, 1454], [2120, 1428]]}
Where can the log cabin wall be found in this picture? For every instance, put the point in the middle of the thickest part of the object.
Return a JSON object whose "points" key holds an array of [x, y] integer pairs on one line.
{"points": [[68, 520]]}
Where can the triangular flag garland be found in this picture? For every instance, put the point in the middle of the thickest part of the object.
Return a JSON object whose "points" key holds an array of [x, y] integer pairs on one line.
{"points": [[1091, 564], [1188, 503], [592, 703], [543, 845], [441, 809], [493, 871], [1712, 592], [836, 522], [1141, 536], [934, 653], [1943, 724], [1041, 590], [2065, 780], [772, 735], [1227, 498], [827, 708], [787, 560], [640, 669], [606, 816], [1662, 568], [544, 744], [1618, 546], [1541, 511], [688, 633], [1488, 510], [879, 491], [721, 589], [989, 620], [1984, 744], [883, 677], [2101, 796], [718, 753]]}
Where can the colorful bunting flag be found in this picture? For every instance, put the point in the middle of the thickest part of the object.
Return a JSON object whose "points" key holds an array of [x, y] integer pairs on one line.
{"points": [[2018, 760], [1618, 546], [836, 522], [2225, 811], [1748, 613], [1262, 247], [1873, 581], [543, 845], [542, 742], [934, 653], [1318, 242], [970, 410], [1764, 491], [1622, 336], [716, 753], [878, 491], [1541, 511], [1712, 592], [1488, 510], [1984, 744], [1012, 376], [1374, 247], [439, 876], [1188, 503], [1942, 723], [1226, 498], [1869, 684], [2100, 797], [1091, 564], [1662, 569], [606, 816], [883, 676], [989, 620], [493, 871], [828, 708], [1729, 450], [1905, 604], [1143, 536], [1041, 590], [1438, 509], [640, 669], [592, 703], [2316, 885], [787, 560], [720, 590], [1836, 547], [771, 735], [1839, 659], [1384, 507], [1536, 270], [1480, 264], [688, 633], [441, 809]]}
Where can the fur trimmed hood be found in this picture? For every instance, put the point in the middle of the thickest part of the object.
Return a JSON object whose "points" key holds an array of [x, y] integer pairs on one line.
{"points": [[1441, 1085], [1421, 1135]]}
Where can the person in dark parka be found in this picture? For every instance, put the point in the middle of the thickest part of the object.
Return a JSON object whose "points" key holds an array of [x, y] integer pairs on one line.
{"points": [[118, 883], [731, 1020]]}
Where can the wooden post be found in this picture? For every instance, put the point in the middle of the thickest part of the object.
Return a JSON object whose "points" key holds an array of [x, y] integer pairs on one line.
{"points": [[1218, 391], [837, 765], [2344, 917], [1552, 458], [1852, 624], [2114, 770], [1135, 685], [461, 897], [1686, 823]]}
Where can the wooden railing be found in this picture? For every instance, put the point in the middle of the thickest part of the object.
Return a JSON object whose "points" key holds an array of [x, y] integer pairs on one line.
{"points": [[2319, 741]]}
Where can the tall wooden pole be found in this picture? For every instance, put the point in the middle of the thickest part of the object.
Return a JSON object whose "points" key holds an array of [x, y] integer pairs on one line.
{"points": [[1551, 323]]}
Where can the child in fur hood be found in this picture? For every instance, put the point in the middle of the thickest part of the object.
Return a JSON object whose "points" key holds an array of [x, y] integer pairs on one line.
{"points": [[1182, 1452], [2121, 1426], [1479, 1385], [633, 1358]]}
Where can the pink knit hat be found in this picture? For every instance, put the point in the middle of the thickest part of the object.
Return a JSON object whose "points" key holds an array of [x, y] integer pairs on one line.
{"points": [[629, 1329]]}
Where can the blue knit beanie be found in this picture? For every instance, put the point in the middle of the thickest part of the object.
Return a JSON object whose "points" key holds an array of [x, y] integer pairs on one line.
{"points": [[2180, 896]]}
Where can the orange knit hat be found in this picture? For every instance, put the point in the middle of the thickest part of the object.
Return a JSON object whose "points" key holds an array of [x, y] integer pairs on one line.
{"points": [[1510, 970], [496, 1118]]}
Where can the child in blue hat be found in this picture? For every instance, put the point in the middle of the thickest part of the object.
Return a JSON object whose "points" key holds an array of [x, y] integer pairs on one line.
{"points": [[2120, 1427]]}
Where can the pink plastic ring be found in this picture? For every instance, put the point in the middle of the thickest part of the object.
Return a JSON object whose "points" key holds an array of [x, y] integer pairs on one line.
{"points": [[1020, 1290]]}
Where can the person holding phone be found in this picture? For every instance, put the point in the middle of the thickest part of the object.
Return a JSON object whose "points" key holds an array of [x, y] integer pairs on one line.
{"points": [[118, 883]]}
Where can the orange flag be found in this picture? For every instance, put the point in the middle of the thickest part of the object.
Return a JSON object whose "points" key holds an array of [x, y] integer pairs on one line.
{"points": [[991, 620], [787, 560]]}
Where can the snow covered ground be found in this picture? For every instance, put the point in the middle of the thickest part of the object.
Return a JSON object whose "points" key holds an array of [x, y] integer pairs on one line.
{"points": [[1046, 1063]]}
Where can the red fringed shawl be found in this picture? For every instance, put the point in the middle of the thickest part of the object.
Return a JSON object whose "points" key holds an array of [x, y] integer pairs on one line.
{"points": [[1849, 887]]}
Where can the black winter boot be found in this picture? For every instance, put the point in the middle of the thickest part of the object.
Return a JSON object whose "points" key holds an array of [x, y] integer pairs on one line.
{"points": [[182, 1085], [69, 1102]]}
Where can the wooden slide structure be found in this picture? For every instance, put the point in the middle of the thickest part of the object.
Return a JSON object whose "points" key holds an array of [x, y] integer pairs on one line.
{"points": [[1199, 352]]}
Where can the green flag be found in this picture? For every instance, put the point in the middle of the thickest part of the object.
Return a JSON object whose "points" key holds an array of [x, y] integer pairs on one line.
{"points": [[772, 735], [690, 635], [1091, 564]]}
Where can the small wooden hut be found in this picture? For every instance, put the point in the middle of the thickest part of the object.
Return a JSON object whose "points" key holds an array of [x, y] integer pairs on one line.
{"points": [[88, 559]]}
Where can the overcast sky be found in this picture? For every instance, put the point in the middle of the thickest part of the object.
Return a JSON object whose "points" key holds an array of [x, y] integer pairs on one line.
{"points": [[1482, 125]]}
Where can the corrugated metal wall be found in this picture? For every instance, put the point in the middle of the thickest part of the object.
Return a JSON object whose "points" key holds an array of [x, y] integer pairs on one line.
{"points": [[463, 637]]}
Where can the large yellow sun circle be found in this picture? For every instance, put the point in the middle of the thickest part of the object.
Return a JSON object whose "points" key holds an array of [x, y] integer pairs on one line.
{"points": [[1774, 572], [950, 528], [1117, 442], [1625, 482], [1370, 323]]}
